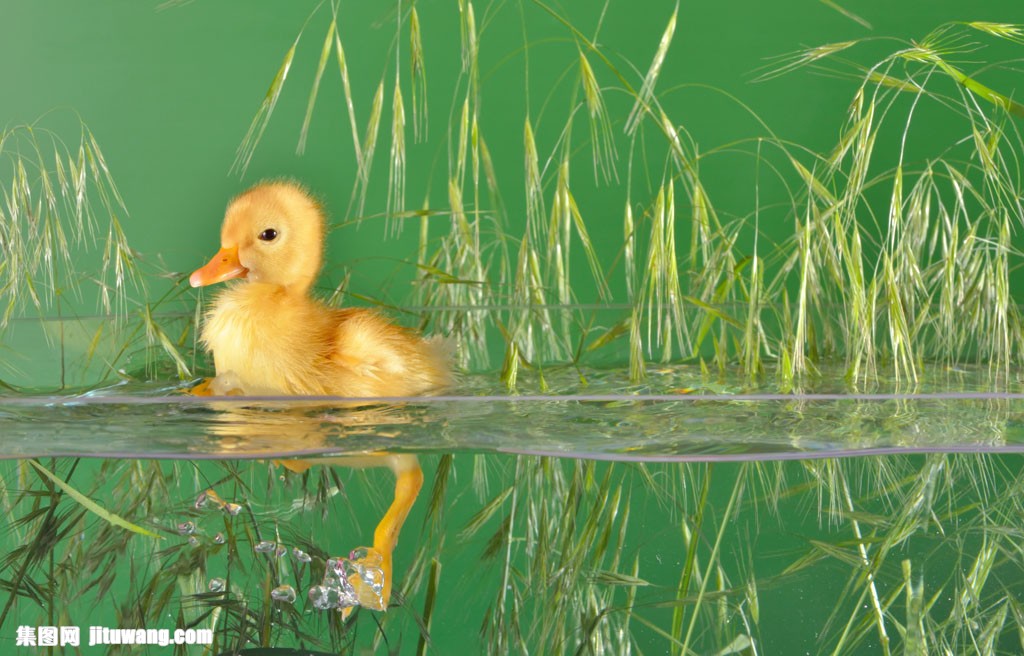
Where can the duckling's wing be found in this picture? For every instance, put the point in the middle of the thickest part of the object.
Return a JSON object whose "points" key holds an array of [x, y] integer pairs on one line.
{"points": [[378, 358]]}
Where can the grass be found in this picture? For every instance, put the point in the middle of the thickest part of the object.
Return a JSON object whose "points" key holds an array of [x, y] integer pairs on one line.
{"points": [[881, 286], [898, 264], [875, 283], [60, 202], [65, 256]]}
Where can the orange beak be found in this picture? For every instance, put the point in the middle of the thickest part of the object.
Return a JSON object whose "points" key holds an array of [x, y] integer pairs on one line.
{"points": [[223, 266]]}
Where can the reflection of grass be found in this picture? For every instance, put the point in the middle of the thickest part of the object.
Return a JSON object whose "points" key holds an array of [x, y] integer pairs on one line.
{"points": [[891, 554], [908, 535]]}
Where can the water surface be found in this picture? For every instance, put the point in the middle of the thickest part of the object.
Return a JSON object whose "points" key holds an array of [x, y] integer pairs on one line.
{"points": [[675, 414]]}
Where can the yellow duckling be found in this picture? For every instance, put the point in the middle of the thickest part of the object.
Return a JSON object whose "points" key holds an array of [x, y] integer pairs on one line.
{"points": [[268, 336]]}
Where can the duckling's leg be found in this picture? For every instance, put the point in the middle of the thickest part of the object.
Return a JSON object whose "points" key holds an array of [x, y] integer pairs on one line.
{"points": [[408, 481], [373, 589]]}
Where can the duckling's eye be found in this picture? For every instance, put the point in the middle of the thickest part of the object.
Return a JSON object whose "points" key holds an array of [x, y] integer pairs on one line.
{"points": [[268, 235]]}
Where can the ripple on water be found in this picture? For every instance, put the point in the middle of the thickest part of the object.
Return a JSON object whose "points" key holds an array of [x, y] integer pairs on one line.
{"points": [[676, 413]]}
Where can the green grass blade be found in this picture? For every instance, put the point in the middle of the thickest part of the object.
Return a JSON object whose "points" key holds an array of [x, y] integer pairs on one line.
{"points": [[259, 123], [325, 53], [91, 505]]}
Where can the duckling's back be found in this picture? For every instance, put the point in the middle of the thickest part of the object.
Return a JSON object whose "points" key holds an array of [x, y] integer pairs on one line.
{"points": [[373, 357]]}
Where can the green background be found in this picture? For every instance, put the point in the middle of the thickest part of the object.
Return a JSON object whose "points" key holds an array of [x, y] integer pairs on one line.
{"points": [[170, 93]]}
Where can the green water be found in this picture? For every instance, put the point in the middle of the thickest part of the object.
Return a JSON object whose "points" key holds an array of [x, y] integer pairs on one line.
{"points": [[595, 516], [552, 555]]}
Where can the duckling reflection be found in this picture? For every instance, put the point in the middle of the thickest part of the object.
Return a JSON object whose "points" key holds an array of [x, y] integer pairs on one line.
{"points": [[269, 337], [309, 429]]}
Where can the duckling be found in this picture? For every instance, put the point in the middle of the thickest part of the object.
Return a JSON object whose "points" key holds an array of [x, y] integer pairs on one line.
{"points": [[269, 336]]}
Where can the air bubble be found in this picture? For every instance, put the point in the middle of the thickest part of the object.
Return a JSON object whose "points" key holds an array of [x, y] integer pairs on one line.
{"points": [[357, 580], [284, 593]]}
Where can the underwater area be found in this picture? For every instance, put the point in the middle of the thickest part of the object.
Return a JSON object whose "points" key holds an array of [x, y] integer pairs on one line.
{"points": [[732, 296]]}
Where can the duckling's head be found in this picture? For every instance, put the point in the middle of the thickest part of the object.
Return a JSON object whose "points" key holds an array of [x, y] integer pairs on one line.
{"points": [[273, 233]]}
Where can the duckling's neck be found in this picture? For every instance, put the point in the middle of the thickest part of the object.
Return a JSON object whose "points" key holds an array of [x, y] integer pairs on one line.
{"points": [[262, 291], [272, 305], [256, 286]]}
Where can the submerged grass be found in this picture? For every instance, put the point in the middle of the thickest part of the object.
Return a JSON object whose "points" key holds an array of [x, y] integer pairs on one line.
{"points": [[921, 553]]}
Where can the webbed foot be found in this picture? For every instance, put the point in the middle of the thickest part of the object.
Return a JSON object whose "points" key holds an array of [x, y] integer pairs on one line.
{"points": [[204, 388], [226, 384], [369, 574]]}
